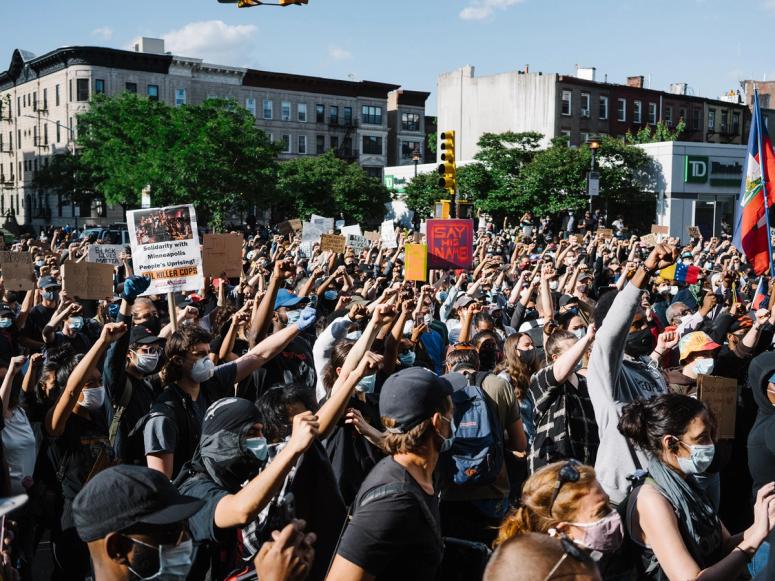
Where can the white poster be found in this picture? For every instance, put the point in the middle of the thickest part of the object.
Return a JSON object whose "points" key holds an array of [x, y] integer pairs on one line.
{"points": [[322, 223], [355, 230], [105, 253], [310, 232], [165, 247], [388, 234], [357, 242]]}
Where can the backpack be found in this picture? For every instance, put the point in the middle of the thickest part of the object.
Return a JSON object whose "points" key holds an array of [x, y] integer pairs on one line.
{"points": [[476, 457]]}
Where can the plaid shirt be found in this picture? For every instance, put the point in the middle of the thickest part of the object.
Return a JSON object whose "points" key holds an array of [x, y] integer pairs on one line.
{"points": [[564, 419]]}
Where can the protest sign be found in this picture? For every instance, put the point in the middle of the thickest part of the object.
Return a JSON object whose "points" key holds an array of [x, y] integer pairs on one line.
{"points": [[694, 232], [720, 395], [388, 234], [310, 233], [605, 233], [416, 262], [332, 242], [326, 225], [165, 248], [357, 243], [105, 253], [87, 280], [649, 240], [372, 236], [222, 253], [17, 269], [657, 229], [339, 224], [355, 229], [289, 226], [450, 243]]}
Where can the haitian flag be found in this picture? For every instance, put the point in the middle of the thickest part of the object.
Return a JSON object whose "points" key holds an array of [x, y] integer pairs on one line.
{"points": [[679, 272], [760, 297], [752, 232]]}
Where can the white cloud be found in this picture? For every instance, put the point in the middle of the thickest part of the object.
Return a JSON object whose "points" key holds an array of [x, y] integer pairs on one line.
{"points": [[102, 33], [338, 53], [212, 40], [483, 9]]}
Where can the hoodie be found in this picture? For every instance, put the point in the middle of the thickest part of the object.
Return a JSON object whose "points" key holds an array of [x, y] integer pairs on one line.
{"points": [[761, 438]]}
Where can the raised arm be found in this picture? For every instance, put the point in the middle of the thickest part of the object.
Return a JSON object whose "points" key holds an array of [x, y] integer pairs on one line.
{"points": [[13, 370], [566, 362]]}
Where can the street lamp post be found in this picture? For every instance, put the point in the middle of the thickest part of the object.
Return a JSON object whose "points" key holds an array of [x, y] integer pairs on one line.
{"points": [[594, 145], [416, 158]]}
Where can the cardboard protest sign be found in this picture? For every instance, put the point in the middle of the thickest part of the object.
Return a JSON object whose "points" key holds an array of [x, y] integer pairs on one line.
{"points": [[416, 265], [605, 232], [222, 253], [649, 240], [450, 243], [18, 271], [657, 229], [165, 248], [355, 229], [388, 234], [87, 280], [720, 395], [694, 232], [332, 242], [372, 236], [105, 253], [357, 243]]}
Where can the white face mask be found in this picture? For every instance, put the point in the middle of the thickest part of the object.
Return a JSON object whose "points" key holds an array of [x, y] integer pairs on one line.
{"points": [[202, 370], [174, 561], [93, 398], [553, 284], [147, 362], [704, 366]]}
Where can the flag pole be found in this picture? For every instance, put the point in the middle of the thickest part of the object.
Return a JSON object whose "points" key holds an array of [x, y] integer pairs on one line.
{"points": [[763, 169]]}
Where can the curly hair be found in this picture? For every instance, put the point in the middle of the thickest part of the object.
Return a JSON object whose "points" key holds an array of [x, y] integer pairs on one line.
{"points": [[515, 368]]}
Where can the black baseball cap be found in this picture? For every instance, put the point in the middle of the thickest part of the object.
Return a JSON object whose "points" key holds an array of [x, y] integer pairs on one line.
{"points": [[48, 282], [143, 335], [411, 396], [125, 495]]}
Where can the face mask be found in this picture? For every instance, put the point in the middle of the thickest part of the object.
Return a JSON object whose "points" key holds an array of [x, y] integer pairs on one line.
{"points": [[531, 314], [673, 290], [708, 266], [663, 290], [174, 561], [582, 288], [202, 370], [446, 443], [293, 316], [527, 356], [366, 385], [704, 366], [700, 457], [330, 295], [428, 319], [51, 295], [40, 263], [354, 335], [553, 284], [5, 323], [580, 332], [407, 359], [147, 362], [639, 343], [93, 398], [605, 535], [258, 447], [76, 323]]}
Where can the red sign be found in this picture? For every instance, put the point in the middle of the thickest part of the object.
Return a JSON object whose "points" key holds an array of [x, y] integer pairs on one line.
{"points": [[450, 243]]}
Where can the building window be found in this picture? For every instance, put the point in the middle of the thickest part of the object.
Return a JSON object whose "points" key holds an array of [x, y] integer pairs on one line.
{"points": [[180, 97], [320, 144], [372, 144], [99, 86], [250, 105], [131, 88], [637, 112], [268, 109], [653, 113], [566, 102], [45, 99], [333, 115], [711, 119], [285, 111], [669, 116], [371, 115], [736, 122], [348, 115], [301, 112], [682, 114], [621, 110], [82, 89], [410, 122], [408, 148], [320, 113], [374, 172], [56, 95], [59, 137], [35, 101], [696, 119], [334, 142], [153, 92], [302, 146], [602, 112], [723, 120], [45, 134], [585, 112], [286, 143]]}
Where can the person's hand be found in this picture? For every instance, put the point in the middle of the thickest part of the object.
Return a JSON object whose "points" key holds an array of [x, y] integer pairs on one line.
{"points": [[288, 556], [383, 313], [283, 269], [187, 313], [661, 257], [358, 312], [112, 332], [36, 360], [408, 306], [368, 365], [761, 317], [547, 271], [9, 571], [306, 318], [417, 331], [305, 429], [461, 278], [474, 308], [355, 418], [17, 363], [667, 341], [708, 302], [763, 516], [134, 286]]}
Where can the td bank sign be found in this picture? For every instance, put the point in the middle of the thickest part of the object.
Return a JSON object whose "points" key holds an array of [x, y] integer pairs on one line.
{"points": [[703, 169]]}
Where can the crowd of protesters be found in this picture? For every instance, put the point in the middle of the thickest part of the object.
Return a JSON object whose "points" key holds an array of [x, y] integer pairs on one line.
{"points": [[537, 416]]}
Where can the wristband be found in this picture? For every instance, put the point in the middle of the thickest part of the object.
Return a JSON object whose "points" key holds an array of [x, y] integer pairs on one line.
{"points": [[660, 353]]}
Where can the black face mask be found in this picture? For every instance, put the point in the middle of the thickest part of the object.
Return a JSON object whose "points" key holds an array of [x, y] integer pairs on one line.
{"points": [[639, 343], [531, 314], [154, 324], [527, 356]]}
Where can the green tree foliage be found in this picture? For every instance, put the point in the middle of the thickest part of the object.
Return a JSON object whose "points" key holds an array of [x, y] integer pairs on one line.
{"points": [[660, 132], [422, 192]]}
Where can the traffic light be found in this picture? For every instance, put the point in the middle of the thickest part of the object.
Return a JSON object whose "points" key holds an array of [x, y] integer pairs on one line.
{"points": [[447, 171]]}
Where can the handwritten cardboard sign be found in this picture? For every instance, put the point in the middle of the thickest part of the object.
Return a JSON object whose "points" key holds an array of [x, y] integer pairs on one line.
{"points": [[105, 253], [720, 395], [357, 243], [87, 280], [332, 242], [416, 266], [222, 253], [372, 236], [694, 232], [18, 271], [657, 229], [450, 243], [605, 233], [649, 240]]}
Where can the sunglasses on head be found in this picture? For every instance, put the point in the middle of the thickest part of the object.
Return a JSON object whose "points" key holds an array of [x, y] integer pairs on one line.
{"points": [[568, 473]]}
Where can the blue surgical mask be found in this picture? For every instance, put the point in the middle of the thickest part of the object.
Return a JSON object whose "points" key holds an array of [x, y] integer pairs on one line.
{"points": [[354, 335], [330, 295], [704, 366], [700, 457], [580, 332], [446, 445], [51, 295], [174, 561], [407, 358], [366, 385], [5, 323], [76, 323], [258, 447], [293, 316]]}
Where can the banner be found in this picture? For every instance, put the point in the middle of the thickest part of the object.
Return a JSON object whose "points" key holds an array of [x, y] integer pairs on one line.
{"points": [[416, 266], [87, 280], [450, 243], [332, 242], [165, 247], [222, 253], [105, 253], [18, 272]]}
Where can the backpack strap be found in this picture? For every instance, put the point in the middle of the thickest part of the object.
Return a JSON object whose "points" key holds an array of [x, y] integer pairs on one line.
{"points": [[126, 397]]}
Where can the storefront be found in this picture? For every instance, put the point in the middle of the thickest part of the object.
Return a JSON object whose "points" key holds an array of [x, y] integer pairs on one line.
{"points": [[697, 184]]}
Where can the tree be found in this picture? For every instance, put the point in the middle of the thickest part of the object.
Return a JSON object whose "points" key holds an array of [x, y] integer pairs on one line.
{"points": [[661, 132], [64, 177], [422, 192]]}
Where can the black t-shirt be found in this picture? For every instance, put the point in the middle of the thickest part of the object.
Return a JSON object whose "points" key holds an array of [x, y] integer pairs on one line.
{"points": [[36, 321], [294, 365], [392, 536]]}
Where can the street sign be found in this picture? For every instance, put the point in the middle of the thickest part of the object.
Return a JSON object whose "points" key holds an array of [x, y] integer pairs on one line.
{"points": [[593, 184]]}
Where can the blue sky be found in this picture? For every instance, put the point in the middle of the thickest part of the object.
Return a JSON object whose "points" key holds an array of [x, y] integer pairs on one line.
{"points": [[707, 43]]}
